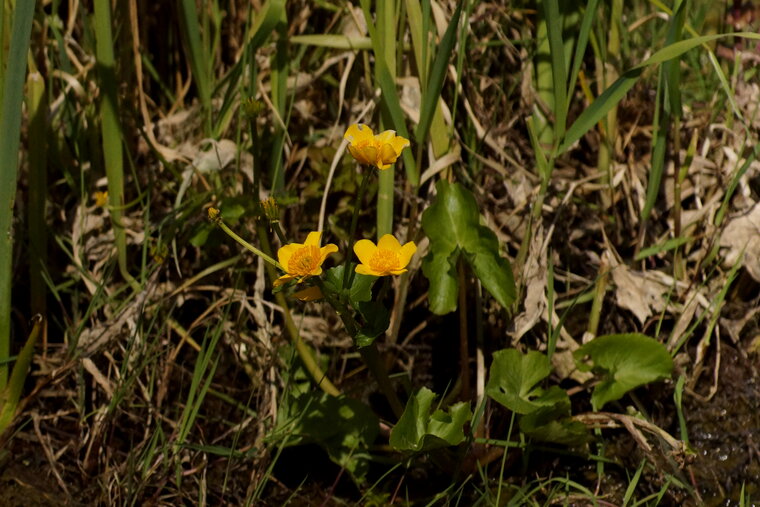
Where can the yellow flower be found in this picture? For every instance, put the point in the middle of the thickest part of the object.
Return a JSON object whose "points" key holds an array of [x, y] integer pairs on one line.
{"points": [[100, 198], [389, 257], [380, 150], [301, 261]]}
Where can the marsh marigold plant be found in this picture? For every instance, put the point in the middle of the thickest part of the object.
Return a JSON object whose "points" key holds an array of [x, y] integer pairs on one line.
{"points": [[301, 261], [388, 257], [379, 150]]}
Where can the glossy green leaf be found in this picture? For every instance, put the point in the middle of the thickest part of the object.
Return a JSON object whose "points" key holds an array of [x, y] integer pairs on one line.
{"points": [[514, 378], [625, 362], [418, 430], [361, 285], [376, 318], [452, 223], [563, 431], [552, 424], [440, 270]]}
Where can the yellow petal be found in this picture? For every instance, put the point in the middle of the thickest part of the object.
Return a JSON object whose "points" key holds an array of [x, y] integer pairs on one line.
{"points": [[358, 132], [364, 250], [326, 250], [313, 238], [406, 253], [286, 252], [388, 154], [398, 271], [389, 242], [399, 143], [385, 137], [363, 269], [361, 155]]}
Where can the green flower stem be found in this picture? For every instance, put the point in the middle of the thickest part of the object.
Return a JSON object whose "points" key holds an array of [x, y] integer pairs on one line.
{"points": [[278, 231], [340, 308], [370, 354], [305, 352], [348, 274], [247, 245], [371, 357], [384, 288]]}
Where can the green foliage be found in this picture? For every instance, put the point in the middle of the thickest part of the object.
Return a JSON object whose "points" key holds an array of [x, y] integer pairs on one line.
{"points": [[625, 361], [360, 290], [10, 126], [514, 379], [437, 75], [10, 396], [376, 317], [617, 90], [420, 430], [513, 382], [344, 427], [452, 222]]}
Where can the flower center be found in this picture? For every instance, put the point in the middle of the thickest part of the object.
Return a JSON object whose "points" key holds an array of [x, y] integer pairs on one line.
{"points": [[304, 261], [384, 261]]}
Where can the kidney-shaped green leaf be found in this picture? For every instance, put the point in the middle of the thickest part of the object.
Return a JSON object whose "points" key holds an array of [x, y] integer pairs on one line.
{"points": [[418, 430], [452, 223], [513, 381], [626, 361]]}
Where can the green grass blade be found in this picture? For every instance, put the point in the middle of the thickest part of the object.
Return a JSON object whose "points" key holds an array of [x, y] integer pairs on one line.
{"points": [[10, 396], [437, 75], [10, 126], [554, 27], [734, 183], [391, 102], [580, 47], [661, 124], [390, 98], [198, 56], [111, 129], [384, 45], [419, 22], [279, 91], [617, 90], [334, 41], [37, 228], [419, 38], [668, 108], [272, 12], [3, 14]]}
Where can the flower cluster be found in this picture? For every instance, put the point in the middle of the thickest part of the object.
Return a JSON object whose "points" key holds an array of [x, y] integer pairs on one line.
{"points": [[302, 260], [388, 257]]}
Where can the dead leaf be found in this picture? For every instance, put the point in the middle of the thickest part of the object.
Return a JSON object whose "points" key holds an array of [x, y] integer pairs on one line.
{"points": [[636, 291], [742, 234]]}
